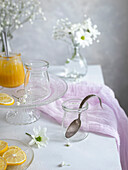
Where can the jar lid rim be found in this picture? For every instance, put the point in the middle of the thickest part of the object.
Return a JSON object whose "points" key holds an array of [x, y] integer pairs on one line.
{"points": [[11, 54], [85, 107], [37, 63]]}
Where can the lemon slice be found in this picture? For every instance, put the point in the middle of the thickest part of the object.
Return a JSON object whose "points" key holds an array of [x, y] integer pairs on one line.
{"points": [[5, 99], [14, 147], [3, 164], [14, 157], [3, 147]]}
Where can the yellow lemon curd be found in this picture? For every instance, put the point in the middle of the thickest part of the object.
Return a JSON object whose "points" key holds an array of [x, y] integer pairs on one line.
{"points": [[11, 70]]}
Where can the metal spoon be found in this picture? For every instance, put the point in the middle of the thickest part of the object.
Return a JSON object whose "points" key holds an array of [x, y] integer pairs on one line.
{"points": [[76, 124], [73, 127], [4, 37]]}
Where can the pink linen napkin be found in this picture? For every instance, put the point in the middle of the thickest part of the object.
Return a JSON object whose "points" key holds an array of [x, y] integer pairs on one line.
{"points": [[110, 121]]}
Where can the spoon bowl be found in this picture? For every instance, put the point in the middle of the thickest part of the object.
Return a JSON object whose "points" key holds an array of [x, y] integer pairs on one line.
{"points": [[73, 128]]}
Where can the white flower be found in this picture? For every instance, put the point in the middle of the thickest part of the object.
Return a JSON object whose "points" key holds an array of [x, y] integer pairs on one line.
{"points": [[75, 27], [94, 32], [68, 144], [23, 100], [1, 28], [15, 13], [17, 103], [83, 38], [62, 29], [82, 34], [39, 138], [16, 26], [25, 96], [63, 164]]}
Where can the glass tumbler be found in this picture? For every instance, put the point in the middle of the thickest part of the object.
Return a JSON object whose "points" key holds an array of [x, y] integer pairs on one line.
{"points": [[71, 111], [36, 83]]}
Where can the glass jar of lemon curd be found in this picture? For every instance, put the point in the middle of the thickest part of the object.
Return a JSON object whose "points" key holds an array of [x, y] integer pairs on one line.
{"points": [[11, 70]]}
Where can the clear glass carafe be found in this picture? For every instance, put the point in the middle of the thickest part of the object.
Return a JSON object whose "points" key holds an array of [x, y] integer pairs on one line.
{"points": [[76, 66]]}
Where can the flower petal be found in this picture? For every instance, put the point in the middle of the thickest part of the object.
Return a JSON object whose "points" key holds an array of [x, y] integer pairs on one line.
{"points": [[35, 130], [39, 146], [32, 142], [43, 132]]}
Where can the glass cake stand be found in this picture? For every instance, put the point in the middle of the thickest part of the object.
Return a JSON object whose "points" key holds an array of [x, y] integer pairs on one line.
{"points": [[28, 112]]}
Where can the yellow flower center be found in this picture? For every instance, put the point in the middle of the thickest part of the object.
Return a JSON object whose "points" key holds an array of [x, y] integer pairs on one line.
{"points": [[83, 37]]}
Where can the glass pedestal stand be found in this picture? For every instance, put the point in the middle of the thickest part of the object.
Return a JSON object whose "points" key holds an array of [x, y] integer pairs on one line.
{"points": [[22, 116], [28, 113]]}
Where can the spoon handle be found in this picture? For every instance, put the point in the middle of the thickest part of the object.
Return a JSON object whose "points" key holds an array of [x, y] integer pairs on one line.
{"points": [[88, 97], [4, 37], [5, 33]]}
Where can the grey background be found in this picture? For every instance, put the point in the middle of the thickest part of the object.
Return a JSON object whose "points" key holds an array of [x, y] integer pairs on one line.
{"points": [[35, 41]]}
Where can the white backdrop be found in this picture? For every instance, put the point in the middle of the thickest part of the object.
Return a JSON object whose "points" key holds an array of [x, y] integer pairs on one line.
{"points": [[35, 41]]}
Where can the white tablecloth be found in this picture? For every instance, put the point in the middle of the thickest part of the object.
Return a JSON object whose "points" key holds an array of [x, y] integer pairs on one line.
{"points": [[94, 153]]}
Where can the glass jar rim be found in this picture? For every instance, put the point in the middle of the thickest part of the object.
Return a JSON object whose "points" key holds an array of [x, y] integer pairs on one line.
{"points": [[66, 108], [36, 63]]}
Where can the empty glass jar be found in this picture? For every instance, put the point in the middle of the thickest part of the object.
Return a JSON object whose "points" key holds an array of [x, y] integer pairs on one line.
{"points": [[36, 84], [71, 112]]}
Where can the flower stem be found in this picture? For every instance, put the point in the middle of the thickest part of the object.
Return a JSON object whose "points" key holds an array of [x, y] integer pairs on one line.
{"points": [[28, 134], [74, 53]]}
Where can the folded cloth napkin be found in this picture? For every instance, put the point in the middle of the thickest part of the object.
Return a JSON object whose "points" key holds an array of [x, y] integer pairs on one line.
{"points": [[110, 121]]}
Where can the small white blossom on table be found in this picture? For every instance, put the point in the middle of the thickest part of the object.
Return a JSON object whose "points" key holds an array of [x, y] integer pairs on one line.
{"points": [[68, 144], [63, 164], [39, 138]]}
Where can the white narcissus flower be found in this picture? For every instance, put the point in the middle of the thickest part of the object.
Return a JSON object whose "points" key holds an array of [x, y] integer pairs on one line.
{"points": [[94, 32], [83, 38], [39, 138]]}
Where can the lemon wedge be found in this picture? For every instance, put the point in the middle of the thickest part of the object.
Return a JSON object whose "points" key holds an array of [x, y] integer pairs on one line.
{"points": [[5, 99], [3, 147], [14, 157], [3, 164]]}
